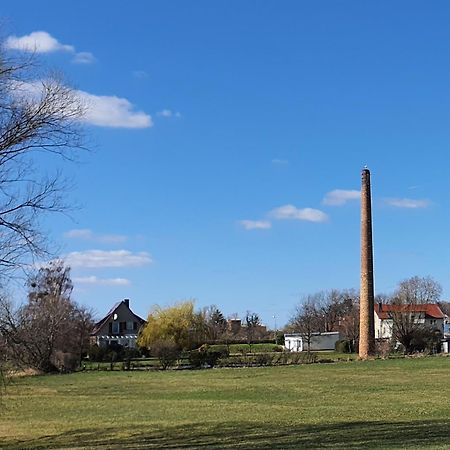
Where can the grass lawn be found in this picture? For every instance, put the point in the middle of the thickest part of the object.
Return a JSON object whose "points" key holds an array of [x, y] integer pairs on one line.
{"points": [[402, 403]]}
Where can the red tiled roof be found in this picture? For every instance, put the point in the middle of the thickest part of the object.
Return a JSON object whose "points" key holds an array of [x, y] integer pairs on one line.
{"points": [[430, 309]]}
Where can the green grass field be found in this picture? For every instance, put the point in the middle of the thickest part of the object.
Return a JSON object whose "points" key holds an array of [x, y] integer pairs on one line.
{"points": [[402, 403]]}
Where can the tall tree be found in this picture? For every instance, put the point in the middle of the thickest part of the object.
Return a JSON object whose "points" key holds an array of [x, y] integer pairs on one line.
{"points": [[178, 324], [215, 322], [39, 115], [252, 326], [333, 306], [49, 325], [306, 319]]}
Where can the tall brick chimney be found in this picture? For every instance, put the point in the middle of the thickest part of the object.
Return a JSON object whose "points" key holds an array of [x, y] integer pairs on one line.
{"points": [[366, 318]]}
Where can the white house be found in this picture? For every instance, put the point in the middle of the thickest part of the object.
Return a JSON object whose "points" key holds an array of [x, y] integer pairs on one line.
{"points": [[428, 314], [319, 341]]}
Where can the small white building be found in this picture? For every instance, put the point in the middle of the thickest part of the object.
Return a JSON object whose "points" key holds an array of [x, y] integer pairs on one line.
{"points": [[319, 341]]}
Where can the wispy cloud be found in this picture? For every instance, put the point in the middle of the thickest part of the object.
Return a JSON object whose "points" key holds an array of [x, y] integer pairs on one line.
{"points": [[280, 162], [83, 58], [93, 280], [340, 197], [88, 235], [111, 258], [408, 203], [290, 212], [140, 74], [255, 224], [43, 42], [167, 113]]}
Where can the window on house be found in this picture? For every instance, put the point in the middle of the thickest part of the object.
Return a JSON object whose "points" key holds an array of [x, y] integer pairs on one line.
{"points": [[122, 326], [130, 326], [115, 327]]}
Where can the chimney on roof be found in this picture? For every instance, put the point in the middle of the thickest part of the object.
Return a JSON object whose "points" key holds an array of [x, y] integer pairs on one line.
{"points": [[127, 302]]}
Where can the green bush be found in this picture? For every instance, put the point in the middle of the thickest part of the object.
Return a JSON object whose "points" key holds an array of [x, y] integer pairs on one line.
{"points": [[207, 356]]}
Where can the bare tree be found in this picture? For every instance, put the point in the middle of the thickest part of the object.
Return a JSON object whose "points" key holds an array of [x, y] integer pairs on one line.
{"points": [[418, 290], [333, 306], [252, 324], [306, 319], [38, 115], [49, 324], [445, 307], [407, 326], [215, 322]]}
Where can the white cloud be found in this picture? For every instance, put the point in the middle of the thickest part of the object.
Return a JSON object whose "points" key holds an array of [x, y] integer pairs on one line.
{"points": [[112, 111], [37, 41], [43, 42], [340, 197], [81, 233], [255, 224], [83, 58], [407, 203], [291, 212], [165, 113], [280, 162], [100, 110], [89, 235], [111, 258], [93, 280], [168, 113]]}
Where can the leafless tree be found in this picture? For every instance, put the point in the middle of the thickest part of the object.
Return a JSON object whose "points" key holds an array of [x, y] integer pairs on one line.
{"points": [[252, 324], [215, 322], [445, 307], [306, 319], [50, 323], [333, 306], [411, 293], [39, 116], [418, 290]]}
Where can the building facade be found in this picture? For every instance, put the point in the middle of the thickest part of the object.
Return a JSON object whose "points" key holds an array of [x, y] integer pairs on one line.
{"points": [[427, 314], [120, 326], [319, 341]]}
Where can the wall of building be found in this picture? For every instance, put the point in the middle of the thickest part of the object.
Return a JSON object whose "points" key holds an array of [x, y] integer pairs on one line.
{"points": [[320, 341]]}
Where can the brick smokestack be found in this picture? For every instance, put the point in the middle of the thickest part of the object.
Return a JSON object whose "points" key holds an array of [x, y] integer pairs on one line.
{"points": [[366, 319]]}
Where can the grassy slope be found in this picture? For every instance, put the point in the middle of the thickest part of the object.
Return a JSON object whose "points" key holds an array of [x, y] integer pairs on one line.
{"points": [[377, 404]]}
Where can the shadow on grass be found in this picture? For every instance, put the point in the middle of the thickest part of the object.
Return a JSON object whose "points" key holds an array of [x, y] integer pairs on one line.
{"points": [[351, 435]]}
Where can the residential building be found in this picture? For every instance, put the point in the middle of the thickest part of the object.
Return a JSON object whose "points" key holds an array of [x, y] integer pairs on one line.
{"points": [[428, 314], [120, 326]]}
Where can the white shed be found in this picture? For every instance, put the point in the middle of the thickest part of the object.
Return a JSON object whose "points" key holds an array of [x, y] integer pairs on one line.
{"points": [[319, 341]]}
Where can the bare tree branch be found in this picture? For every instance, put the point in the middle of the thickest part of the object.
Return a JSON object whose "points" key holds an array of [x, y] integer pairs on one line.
{"points": [[39, 115]]}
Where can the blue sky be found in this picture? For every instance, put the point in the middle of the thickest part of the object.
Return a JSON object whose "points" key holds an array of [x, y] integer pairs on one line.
{"points": [[219, 128]]}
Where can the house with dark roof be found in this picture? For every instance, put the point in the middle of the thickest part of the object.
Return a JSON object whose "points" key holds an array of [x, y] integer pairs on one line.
{"points": [[120, 326], [428, 314]]}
